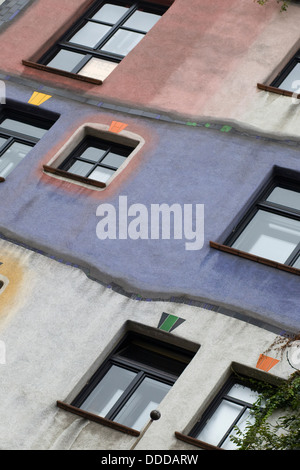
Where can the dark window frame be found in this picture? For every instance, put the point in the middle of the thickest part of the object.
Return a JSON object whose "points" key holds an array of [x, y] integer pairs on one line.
{"points": [[142, 370], [63, 44], [262, 204], [274, 84], [76, 155], [286, 70], [280, 178], [212, 408], [25, 114]]}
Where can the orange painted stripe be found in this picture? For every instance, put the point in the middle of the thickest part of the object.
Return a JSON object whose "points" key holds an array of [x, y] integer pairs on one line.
{"points": [[266, 362], [117, 126]]}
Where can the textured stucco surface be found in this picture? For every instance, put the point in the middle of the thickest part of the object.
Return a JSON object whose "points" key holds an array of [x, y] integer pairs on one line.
{"points": [[185, 164], [64, 328], [203, 64]]}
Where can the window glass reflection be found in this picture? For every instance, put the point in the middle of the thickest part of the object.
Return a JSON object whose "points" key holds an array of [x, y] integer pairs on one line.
{"points": [[101, 174], [108, 391], [122, 42], [90, 34], [292, 81], [219, 423], [136, 413], [12, 157], [270, 236], [110, 13], [297, 263], [142, 20], [23, 128], [66, 60], [285, 197]]}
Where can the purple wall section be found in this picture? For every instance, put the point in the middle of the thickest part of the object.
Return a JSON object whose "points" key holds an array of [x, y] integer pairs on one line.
{"points": [[178, 164]]}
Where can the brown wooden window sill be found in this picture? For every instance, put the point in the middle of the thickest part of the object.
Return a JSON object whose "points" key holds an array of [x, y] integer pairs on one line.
{"points": [[72, 176], [258, 259], [279, 91], [75, 76], [97, 419], [195, 442]]}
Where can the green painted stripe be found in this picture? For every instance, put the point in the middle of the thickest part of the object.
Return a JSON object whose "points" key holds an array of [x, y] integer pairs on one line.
{"points": [[168, 323]]}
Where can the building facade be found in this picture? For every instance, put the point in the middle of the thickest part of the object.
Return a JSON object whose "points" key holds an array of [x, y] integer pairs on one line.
{"points": [[150, 228]]}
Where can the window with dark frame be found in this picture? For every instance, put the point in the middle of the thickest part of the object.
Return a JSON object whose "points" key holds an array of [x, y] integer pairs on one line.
{"points": [[270, 230], [94, 161], [20, 130], [102, 37], [131, 383], [230, 408], [289, 77]]}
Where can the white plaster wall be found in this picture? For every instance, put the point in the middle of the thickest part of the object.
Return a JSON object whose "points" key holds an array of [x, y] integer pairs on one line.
{"points": [[66, 326]]}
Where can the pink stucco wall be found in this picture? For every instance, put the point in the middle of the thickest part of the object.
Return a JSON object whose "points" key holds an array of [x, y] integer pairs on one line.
{"points": [[201, 59]]}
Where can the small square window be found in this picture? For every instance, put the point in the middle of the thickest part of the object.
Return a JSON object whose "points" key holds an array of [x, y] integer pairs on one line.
{"points": [[19, 132], [94, 161], [131, 383], [230, 408], [101, 38]]}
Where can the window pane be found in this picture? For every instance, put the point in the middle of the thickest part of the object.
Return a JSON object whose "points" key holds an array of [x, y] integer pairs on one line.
{"points": [[80, 168], [97, 68], [92, 153], [136, 413], [243, 393], [219, 423], [112, 159], [110, 13], [12, 157], [297, 263], [122, 42], [90, 34], [288, 82], [285, 197], [3, 140], [108, 391], [244, 421], [270, 236], [23, 128], [101, 174], [66, 60], [142, 20]]}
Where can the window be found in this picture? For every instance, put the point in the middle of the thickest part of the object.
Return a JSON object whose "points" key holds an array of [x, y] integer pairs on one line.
{"points": [[229, 409], [108, 31], [289, 77], [131, 383], [19, 132], [270, 230], [94, 161]]}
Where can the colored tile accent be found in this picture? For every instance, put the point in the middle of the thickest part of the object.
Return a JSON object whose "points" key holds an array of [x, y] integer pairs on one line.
{"points": [[117, 126], [169, 322], [266, 362], [226, 129], [38, 98]]}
